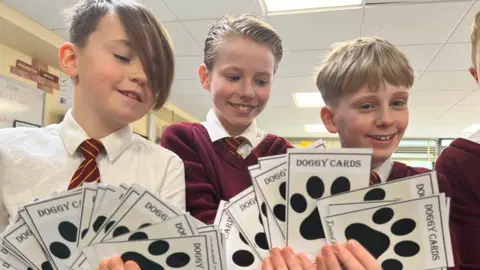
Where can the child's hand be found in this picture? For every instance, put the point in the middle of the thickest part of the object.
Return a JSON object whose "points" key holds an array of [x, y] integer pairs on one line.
{"points": [[333, 257], [353, 256], [115, 263]]}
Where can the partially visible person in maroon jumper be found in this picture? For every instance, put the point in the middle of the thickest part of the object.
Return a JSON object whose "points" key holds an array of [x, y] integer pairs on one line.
{"points": [[241, 56], [365, 84]]}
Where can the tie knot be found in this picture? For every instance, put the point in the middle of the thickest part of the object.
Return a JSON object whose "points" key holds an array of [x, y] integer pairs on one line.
{"points": [[233, 143], [91, 148]]}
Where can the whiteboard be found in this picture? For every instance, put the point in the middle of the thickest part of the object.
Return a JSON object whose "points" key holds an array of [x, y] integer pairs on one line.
{"points": [[20, 101]]}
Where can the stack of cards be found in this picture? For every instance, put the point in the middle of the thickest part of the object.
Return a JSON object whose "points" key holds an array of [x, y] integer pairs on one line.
{"points": [[308, 198], [78, 228]]}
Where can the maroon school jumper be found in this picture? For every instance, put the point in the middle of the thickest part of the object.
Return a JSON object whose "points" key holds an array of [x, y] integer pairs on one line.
{"points": [[400, 170], [460, 163], [212, 173]]}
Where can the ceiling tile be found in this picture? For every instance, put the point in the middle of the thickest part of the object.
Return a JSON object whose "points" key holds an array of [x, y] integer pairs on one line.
{"points": [[186, 67], [413, 23], [209, 9], [300, 63], [452, 57], [187, 87], [44, 12], [281, 101], [445, 80], [183, 43], [462, 33], [199, 29], [160, 10], [419, 55], [472, 99], [293, 28], [289, 85], [62, 32]]}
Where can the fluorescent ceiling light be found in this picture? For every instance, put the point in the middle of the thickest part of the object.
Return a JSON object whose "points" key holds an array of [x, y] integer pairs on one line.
{"points": [[290, 5], [308, 100], [315, 128], [472, 128]]}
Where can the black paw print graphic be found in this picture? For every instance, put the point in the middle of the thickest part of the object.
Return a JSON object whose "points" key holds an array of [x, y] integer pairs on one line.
{"points": [[68, 231], [261, 237], [243, 258], [136, 236], [279, 210], [311, 227], [377, 242], [97, 224], [45, 266], [375, 195], [157, 248]]}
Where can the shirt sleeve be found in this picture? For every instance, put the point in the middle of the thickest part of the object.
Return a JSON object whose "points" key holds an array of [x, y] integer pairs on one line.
{"points": [[173, 187]]}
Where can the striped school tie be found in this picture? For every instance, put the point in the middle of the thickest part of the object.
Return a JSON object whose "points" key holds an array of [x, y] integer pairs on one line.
{"points": [[374, 178], [88, 170], [232, 145]]}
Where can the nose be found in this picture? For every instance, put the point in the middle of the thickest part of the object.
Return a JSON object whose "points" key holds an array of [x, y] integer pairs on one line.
{"points": [[384, 117], [247, 90], [136, 73]]}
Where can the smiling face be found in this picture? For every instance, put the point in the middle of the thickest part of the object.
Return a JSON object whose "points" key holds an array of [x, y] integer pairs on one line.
{"points": [[240, 82], [370, 119], [111, 81]]}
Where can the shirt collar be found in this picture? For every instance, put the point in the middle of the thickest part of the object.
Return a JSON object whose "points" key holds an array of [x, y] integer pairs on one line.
{"points": [[73, 135], [383, 170], [217, 132]]}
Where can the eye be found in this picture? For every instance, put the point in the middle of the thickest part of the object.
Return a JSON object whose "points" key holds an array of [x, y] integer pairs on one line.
{"points": [[399, 103], [262, 82], [233, 78], [122, 59], [367, 106]]}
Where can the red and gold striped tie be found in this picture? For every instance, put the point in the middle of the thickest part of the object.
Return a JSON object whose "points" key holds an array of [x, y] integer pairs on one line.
{"points": [[374, 178], [232, 145], [88, 170]]}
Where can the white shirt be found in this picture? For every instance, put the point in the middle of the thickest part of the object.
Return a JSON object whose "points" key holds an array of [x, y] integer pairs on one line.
{"points": [[36, 162], [383, 170], [253, 135]]}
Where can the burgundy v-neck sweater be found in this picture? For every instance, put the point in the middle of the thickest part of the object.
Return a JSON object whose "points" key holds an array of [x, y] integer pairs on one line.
{"points": [[460, 163], [212, 173]]}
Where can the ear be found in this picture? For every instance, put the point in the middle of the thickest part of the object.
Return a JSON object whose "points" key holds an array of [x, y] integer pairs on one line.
{"points": [[204, 76], [328, 118], [68, 59], [473, 72]]}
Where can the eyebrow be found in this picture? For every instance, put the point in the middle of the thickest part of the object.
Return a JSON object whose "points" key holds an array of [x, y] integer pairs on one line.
{"points": [[234, 68], [124, 42]]}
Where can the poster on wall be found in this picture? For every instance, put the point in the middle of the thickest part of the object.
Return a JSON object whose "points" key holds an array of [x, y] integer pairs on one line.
{"points": [[66, 91], [18, 123], [20, 101]]}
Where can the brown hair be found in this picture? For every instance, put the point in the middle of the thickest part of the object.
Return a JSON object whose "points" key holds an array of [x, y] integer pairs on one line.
{"points": [[474, 38], [149, 39], [246, 25], [363, 61]]}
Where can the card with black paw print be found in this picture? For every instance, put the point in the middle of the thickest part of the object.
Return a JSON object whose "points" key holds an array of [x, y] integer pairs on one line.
{"points": [[169, 253], [82, 264], [272, 230], [20, 238], [178, 226], [106, 201], [55, 221], [239, 254], [272, 185], [215, 249], [89, 193], [109, 218], [313, 174], [268, 162], [411, 187], [13, 260], [340, 208], [408, 234], [244, 212], [145, 211]]}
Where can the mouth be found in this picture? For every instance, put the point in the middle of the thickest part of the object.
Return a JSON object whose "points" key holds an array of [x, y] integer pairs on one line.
{"points": [[243, 107], [131, 94], [382, 138]]}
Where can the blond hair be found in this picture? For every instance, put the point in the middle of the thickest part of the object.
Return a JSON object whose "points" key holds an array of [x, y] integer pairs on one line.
{"points": [[246, 25], [474, 37], [365, 61]]}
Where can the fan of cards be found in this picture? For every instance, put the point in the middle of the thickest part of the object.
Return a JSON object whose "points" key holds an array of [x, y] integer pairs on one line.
{"points": [[77, 229], [311, 197]]}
